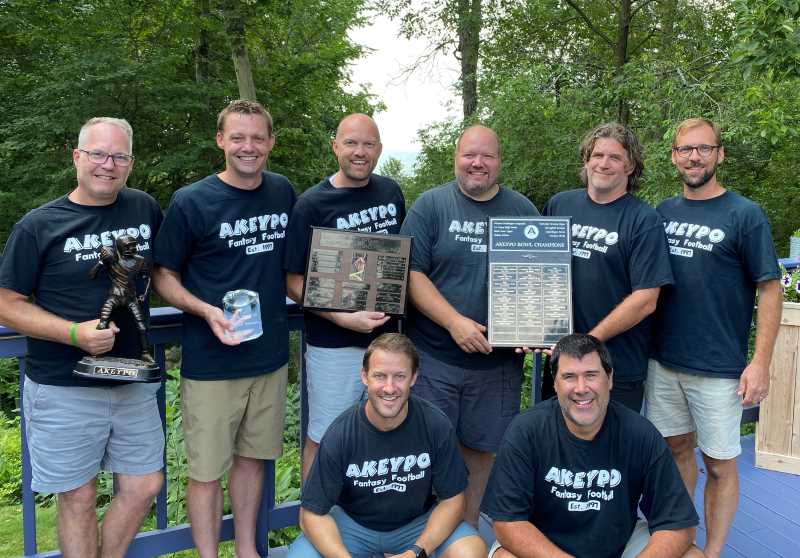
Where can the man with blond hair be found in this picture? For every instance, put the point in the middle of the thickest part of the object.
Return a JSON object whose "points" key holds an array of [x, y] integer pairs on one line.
{"points": [[355, 199], [77, 426], [476, 386], [223, 233], [721, 252]]}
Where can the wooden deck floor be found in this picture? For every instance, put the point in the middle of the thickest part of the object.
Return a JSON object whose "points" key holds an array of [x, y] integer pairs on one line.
{"points": [[767, 523]]}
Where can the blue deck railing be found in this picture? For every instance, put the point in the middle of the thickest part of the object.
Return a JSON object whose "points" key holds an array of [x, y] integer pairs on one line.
{"points": [[165, 330]]}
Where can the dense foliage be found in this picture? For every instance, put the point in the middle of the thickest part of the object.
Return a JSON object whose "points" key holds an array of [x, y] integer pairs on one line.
{"points": [[166, 67], [551, 70]]}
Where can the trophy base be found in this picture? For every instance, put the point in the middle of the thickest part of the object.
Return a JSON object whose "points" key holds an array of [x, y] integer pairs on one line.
{"points": [[117, 369]]}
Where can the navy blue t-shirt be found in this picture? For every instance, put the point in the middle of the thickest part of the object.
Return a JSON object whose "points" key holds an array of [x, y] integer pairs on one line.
{"points": [[719, 249], [449, 247], [617, 248], [384, 480], [583, 495], [49, 255], [378, 207], [221, 238]]}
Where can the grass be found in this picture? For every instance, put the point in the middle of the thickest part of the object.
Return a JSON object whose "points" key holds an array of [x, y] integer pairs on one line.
{"points": [[47, 538], [11, 529]]}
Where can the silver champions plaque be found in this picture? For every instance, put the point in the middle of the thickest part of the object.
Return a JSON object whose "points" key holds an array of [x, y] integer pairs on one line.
{"points": [[530, 281]]}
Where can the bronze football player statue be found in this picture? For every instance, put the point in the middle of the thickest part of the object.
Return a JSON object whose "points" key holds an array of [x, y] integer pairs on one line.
{"points": [[123, 266]]}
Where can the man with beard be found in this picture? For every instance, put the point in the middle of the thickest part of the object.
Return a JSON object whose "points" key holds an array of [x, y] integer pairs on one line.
{"points": [[476, 386], [572, 471], [620, 259], [351, 199], [698, 379]]}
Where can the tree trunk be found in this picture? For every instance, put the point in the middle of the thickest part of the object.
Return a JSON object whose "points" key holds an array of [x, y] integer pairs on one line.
{"points": [[469, 36], [201, 51], [234, 26], [621, 58]]}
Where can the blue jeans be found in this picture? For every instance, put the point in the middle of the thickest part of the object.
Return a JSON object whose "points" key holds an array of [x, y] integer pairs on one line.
{"points": [[364, 543]]}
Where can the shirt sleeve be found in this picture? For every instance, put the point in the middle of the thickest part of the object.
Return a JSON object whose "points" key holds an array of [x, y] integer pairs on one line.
{"points": [[649, 265], [326, 478], [665, 502], [175, 238], [509, 492], [20, 262], [419, 225], [299, 236], [449, 470], [758, 251]]}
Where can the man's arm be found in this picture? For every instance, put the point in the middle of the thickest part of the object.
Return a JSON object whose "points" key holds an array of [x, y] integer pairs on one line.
{"points": [[18, 313], [633, 309], [322, 532], [668, 543], [468, 334], [361, 321], [754, 383], [168, 284], [443, 520], [524, 540]]}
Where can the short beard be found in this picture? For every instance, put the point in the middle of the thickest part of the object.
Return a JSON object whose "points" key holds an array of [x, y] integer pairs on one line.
{"points": [[475, 191], [701, 180]]}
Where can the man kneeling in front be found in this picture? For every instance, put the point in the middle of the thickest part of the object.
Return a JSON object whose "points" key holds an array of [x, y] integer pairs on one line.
{"points": [[571, 472], [388, 478]]}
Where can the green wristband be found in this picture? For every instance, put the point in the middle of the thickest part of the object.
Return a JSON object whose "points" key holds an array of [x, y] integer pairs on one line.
{"points": [[73, 334]]}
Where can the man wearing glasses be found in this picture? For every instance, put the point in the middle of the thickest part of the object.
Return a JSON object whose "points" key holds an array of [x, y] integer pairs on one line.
{"points": [[721, 252], [76, 426]]}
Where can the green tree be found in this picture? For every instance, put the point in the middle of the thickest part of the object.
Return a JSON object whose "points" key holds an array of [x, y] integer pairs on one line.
{"points": [[551, 71], [451, 27], [166, 67]]}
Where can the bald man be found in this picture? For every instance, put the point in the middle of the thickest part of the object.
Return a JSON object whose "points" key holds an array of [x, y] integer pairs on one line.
{"points": [[476, 386], [335, 341]]}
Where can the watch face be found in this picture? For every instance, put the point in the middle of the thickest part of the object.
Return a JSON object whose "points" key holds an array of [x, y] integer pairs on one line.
{"points": [[420, 552]]}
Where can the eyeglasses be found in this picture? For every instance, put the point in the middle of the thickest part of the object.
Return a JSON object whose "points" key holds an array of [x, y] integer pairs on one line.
{"points": [[100, 157], [685, 151]]}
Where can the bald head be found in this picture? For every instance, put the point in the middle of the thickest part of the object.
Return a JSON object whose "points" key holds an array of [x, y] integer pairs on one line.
{"points": [[357, 146], [477, 162], [358, 121], [481, 131]]}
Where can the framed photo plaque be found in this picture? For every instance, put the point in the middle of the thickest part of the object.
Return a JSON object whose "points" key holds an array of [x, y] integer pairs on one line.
{"points": [[350, 271], [530, 281]]}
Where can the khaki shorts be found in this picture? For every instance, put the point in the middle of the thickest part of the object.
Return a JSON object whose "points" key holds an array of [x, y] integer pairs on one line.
{"points": [[223, 418], [679, 403]]}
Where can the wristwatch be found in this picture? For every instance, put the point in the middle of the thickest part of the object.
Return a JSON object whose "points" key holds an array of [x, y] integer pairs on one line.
{"points": [[419, 552]]}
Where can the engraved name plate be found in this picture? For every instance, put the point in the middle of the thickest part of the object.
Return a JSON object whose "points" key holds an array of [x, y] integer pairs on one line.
{"points": [[530, 281]]}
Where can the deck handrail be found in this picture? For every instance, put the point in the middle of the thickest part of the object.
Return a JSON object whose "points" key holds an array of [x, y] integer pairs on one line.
{"points": [[165, 328]]}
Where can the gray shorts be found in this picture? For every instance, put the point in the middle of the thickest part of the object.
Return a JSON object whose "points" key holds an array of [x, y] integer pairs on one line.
{"points": [[73, 432], [479, 403], [679, 403], [333, 381]]}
